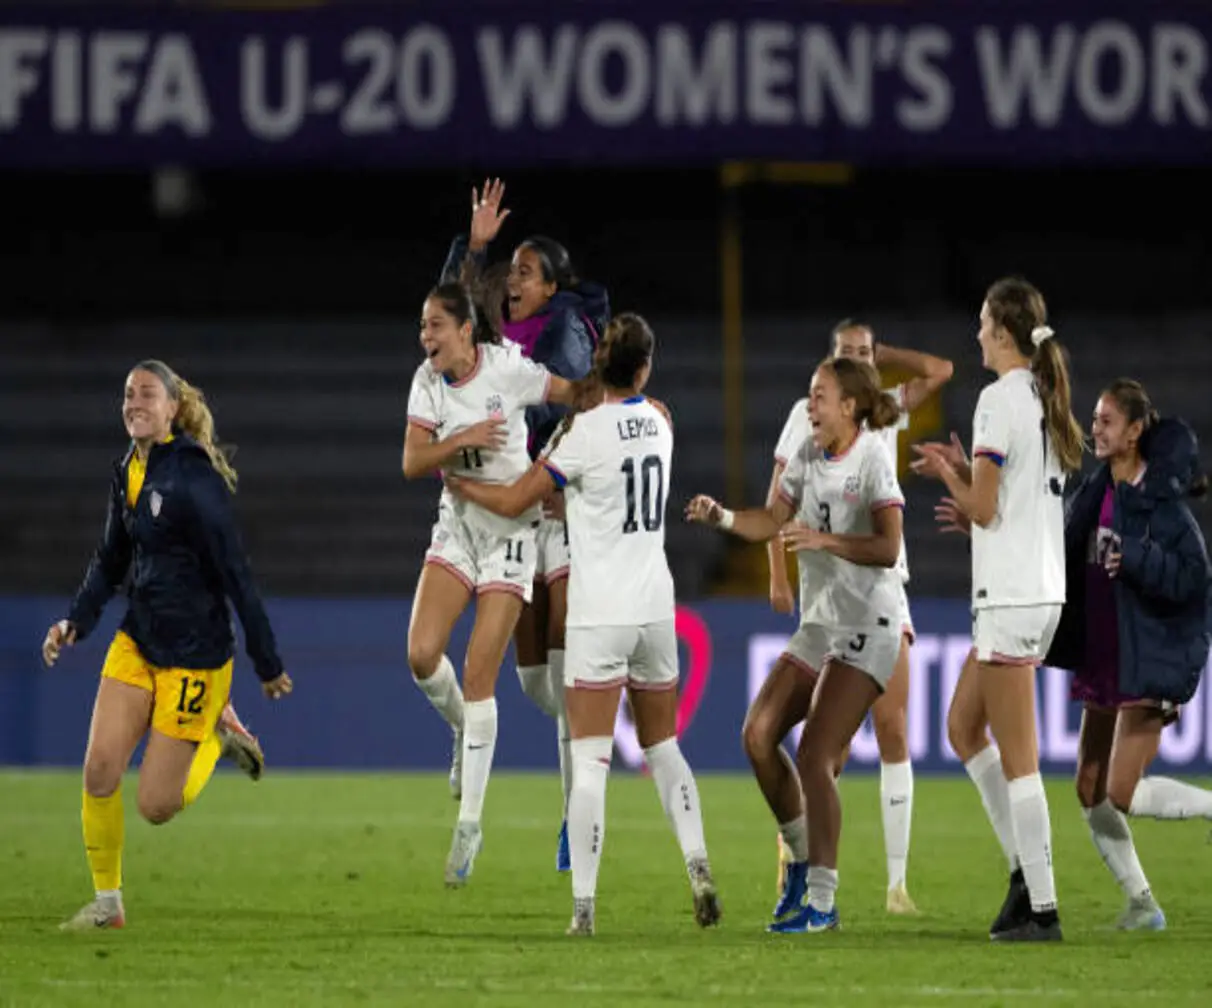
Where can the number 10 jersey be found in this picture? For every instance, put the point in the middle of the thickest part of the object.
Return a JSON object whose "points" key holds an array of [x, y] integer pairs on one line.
{"points": [[614, 464]]}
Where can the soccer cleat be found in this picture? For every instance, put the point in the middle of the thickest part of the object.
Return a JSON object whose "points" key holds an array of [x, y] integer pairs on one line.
{"points": [[1039, 927], [900, 902], [808, 920], [563, 854], [96, 915], [1016, 909], [463, 850], [1142, 914], [456, 766], [239, 744], [707, 910], [582, 918], [795, 887]]}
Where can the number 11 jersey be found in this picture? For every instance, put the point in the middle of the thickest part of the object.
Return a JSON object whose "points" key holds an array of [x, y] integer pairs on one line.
{"points": [[614, 464]]}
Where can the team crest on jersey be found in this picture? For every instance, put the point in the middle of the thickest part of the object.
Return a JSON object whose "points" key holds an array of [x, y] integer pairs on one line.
{"points": [[494, 405], [850, 491], [155, 501]]}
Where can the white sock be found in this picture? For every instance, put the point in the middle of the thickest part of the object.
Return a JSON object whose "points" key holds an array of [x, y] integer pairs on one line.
{"points": [[555, 665], [795, 836], [111, 899], [1033, 836], [985, 769], [896, 803], [822, 888], [679, 795], [1166, 798], [1113, 839], [479, 744], [587, 811], [536, 684], [442, 689]]}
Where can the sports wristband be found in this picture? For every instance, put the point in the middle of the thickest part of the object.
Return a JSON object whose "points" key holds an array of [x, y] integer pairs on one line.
{"points": [[727, 518]]}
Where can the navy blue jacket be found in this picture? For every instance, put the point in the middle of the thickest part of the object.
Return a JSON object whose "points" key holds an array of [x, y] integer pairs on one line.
{"points": [[576, 319], [1163, 593], [181, 549]]}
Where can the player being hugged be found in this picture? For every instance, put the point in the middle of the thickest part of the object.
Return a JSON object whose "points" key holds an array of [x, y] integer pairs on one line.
{"points": [[170, 534], [466, 417], [614, 465], [840, 493], [856, 340], [555, 317], [1025, 442]]}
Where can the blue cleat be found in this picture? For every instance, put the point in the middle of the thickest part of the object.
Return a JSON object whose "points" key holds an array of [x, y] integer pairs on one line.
{"points": [[795, 886], [809, 920], [563, 856]]}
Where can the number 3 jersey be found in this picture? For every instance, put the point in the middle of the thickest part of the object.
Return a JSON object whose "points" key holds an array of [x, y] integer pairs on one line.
{"points": [[502, 383], [1019, 558], [614, 464], [840, 494]]}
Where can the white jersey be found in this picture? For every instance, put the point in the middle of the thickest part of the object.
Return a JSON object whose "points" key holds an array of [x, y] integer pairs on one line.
{"points": [[798, 429], [840, 494], [1019, 559], [614, 464], [502, 383]]}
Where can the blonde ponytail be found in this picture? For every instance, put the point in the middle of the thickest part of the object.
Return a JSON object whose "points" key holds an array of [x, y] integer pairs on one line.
{"points": [[193, 416], [195, 419]]}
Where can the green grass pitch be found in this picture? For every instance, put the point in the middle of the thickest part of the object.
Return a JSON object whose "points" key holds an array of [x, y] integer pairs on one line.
{"points": [[320, 889]]}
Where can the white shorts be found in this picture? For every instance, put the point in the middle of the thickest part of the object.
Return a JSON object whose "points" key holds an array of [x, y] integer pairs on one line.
{"points": [[872, 649], [553, 555], [483, 559], [906, 618], [1014, 635], [639, 657]]}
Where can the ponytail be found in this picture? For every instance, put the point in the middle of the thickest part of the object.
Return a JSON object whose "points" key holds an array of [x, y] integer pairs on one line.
{"points": [[859, 381], [194, 417], [1051, 374], [885, 411]]}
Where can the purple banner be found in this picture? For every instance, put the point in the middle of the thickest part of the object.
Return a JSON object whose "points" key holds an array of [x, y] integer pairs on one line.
{"points": [[528, 83]]}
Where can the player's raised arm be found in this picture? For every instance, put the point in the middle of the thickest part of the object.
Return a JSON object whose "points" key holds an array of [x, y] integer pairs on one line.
{"points": [[508, 500], [930, 373]]}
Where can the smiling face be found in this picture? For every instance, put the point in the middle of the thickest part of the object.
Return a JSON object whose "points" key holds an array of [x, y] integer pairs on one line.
{"points": [[147, 408], [1114, 435], [831, 415], [528, 291], [443, 339], [855, 343]]}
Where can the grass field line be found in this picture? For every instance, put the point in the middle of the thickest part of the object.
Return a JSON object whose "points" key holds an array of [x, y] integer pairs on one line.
{"points": [[568, 986]]}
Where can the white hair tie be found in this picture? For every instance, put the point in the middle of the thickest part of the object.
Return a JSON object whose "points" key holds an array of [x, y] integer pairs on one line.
{"points": [[1041, 333]]}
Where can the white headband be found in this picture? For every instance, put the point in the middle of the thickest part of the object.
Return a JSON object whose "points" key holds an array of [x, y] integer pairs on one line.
{"points": [[1041, 333]]}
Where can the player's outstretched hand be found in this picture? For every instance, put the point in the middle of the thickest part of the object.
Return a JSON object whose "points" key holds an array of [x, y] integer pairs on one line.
{"points": [[59, 636], [704, 510], [275, 689], [486, 214], [950, 518], [932, 460]]}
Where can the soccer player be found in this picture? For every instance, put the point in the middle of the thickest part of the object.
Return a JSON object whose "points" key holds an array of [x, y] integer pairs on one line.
{"points": [[555, 318], [614, 464], [167, 674], [1134, 629], [1025, 442], [465, 416], [841, 490], [855, 340]]}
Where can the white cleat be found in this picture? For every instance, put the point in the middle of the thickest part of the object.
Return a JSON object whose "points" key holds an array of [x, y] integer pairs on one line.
{"points": [[1142, 914], [582, 918], [900, 903], [463, 850], [97, 915], [239, 744], [456, 766], [707, 910]]}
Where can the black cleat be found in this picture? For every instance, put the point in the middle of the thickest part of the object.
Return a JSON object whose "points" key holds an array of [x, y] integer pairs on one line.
{"points": [[1039, 927], [1016, 910]]}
